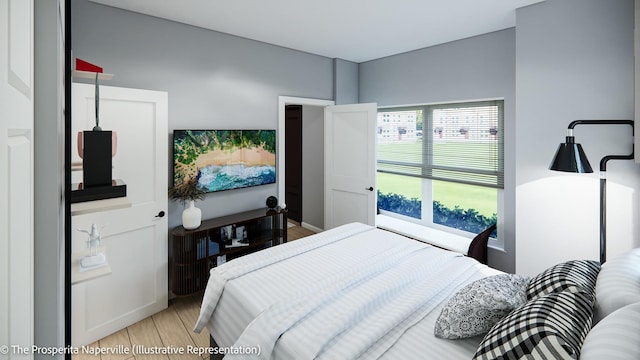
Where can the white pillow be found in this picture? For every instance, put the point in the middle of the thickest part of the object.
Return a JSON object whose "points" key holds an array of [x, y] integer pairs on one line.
{"points": [[615, 337], [618, 284], [474, 309]]}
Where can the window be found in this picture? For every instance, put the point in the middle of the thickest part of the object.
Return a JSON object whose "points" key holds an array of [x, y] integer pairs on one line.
{"points": [[447, 171]]}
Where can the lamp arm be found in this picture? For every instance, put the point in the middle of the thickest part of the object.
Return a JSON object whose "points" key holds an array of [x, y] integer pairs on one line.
{"points": [[605, 159], [574, 123]]}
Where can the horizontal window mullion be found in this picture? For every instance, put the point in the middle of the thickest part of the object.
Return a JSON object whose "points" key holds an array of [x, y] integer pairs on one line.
{"points": [[460, 181], [439, 167], [467, 182], [428, 168], [399, 173], [464, 170], [469, 179], [400, 163]]}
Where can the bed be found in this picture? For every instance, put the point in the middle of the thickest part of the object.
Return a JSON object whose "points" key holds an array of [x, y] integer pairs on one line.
{"points": [[360, 292]]}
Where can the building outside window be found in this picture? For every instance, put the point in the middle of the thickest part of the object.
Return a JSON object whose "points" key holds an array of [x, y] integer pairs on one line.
{"points": [[442, 165]]}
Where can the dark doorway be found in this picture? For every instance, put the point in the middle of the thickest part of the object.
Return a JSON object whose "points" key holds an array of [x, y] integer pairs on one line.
{"points": [[293, 161]]}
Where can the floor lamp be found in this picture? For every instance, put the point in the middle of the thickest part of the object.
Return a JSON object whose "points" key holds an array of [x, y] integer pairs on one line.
{"points": [[571, 158]]}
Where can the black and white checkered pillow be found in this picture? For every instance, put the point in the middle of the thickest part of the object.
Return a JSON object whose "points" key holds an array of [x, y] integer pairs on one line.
{"points": [[552, 326], [572, 276]]}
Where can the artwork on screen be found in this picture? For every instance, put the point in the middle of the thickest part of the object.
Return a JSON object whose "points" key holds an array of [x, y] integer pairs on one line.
{"points": [[224, 159]]}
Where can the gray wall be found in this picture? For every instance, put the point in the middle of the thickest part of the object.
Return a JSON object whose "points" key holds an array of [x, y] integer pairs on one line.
{"points": [[480, 67], [214, 80], [48, 177], [345, 80], [313, 166], [574, 61]]}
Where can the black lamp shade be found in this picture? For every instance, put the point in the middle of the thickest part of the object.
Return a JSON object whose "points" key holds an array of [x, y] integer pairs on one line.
{"points": [[571, 158]]}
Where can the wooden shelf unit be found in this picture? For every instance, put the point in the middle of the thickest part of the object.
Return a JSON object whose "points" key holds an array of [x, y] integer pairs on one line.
{"points": [[195, 252]]}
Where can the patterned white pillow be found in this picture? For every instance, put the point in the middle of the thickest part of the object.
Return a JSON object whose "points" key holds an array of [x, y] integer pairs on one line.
{"points": [[474, 309], [551, 326]]}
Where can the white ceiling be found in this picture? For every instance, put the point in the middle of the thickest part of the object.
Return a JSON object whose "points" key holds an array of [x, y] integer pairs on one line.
{"points": [[354, 30]]}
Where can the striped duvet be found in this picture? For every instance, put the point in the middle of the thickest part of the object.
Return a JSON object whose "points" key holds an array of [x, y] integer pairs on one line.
{"points": [[353, 292]]}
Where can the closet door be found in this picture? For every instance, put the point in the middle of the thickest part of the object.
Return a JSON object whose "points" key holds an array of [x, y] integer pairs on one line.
{"points": [[16, 176], [134, 237]]}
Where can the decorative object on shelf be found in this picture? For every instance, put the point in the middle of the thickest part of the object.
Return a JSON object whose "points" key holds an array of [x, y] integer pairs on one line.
{"points": [[189, 192], [95, 258], [571, 158], [191, 216], [241, 233], [82, 65], [272, 202], [226, 234], [96, 148]]}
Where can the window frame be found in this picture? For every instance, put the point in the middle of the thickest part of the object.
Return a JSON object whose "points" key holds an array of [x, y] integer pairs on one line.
{"points": [[427, 188]]}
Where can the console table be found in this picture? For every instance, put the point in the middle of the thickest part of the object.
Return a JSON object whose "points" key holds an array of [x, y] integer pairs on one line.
{"points": [[219, 240]]}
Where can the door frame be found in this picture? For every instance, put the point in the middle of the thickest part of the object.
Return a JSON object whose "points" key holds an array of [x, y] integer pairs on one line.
{"points": [[283, 101], [17, 209]]}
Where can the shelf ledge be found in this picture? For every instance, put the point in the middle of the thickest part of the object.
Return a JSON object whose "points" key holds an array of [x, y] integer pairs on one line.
{"points": [[78, 276], [80, 74], [88, 207]]}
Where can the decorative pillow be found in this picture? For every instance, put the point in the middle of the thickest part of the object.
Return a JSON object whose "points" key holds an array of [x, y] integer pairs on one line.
{"points": [[615, 337], [552, 326], [572, 276], [478, 306], [618, 283]]}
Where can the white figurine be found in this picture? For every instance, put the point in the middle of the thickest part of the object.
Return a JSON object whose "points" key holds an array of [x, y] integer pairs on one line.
{"points": [[94, 258]]}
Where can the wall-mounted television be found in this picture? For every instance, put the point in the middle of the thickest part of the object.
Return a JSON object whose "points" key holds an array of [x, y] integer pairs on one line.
{"points": [[224, 159]]}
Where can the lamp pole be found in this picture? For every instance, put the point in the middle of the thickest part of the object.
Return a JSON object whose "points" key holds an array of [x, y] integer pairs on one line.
{"points": [[603, 200], [603, 178]]}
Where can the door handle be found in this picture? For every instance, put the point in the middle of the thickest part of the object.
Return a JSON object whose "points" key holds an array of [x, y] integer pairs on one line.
{"points": [[160, 214], [370, 188]]}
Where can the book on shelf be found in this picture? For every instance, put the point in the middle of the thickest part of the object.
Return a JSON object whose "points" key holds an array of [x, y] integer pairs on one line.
{"points": [[237, 243]]}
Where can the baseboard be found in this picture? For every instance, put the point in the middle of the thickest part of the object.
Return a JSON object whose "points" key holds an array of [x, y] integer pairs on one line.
{"points": [[311, 227]]}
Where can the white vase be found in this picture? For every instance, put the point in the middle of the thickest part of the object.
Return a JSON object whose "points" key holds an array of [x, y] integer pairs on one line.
{"points": [[191, 216]]}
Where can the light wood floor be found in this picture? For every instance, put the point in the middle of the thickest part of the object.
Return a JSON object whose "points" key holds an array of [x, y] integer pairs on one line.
{"points": [[170, 328]]}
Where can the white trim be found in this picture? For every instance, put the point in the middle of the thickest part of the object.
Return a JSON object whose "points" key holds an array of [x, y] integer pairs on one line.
{"points": [[498, 244], [439, 238], [442, 102], [282, 102], [494, 243], [307, 226], [636, 52]]}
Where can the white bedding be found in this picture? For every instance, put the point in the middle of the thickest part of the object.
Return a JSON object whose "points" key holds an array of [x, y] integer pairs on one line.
{"points": [[350, 292]]}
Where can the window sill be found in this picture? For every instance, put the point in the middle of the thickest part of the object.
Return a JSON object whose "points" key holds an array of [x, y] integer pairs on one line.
{"points": [[425, 234]]}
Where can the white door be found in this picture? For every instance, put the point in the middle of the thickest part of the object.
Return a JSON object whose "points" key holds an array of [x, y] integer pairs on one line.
{"points": [[16, 175], [135, 237], [350, 164]]}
